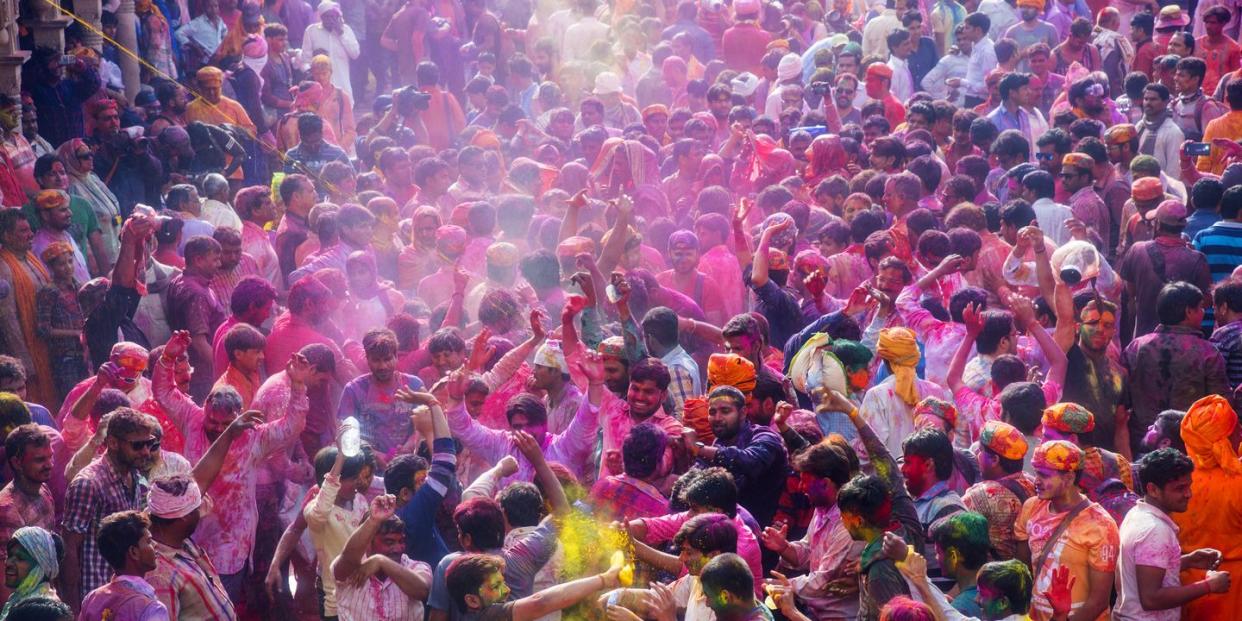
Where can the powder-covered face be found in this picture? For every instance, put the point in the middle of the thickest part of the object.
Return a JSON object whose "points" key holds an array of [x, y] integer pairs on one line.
{"points": [[992, 603], [1097, 329]]}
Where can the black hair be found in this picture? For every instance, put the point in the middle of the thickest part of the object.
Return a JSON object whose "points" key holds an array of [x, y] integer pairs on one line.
{"points": [[118, 533], [1174, 300], [1163, 466], [1017, 213], [401, 472], [865, 495], [728, 573], [643, 449], [661, 324], [1022, 405], [1011, 579], [997, 324], [522, 504], [826, 461], [1041, 183], [966, 532], [708, 533], [716, 489], [931, 444]]}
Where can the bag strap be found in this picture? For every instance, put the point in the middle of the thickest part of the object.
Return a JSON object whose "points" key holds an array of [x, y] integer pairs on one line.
{"points": [[1015, 488], [1157, 260], [1056, 534]]}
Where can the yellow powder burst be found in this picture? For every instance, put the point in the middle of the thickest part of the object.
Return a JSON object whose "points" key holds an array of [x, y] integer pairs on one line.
{"points": [[588, 545]]}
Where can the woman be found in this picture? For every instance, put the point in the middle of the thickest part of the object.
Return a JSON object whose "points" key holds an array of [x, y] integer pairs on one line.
{"points": [[60, 318], [32, 565], [370, 302], [826, 157], [336, 108], [79, 162], [154, 41]]}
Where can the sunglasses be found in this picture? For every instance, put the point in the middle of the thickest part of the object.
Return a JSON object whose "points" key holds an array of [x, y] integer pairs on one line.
{"points": [[153, 444], [1047, 157]]}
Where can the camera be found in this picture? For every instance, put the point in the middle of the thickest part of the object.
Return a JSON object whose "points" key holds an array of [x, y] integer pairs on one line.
{"points": [[409, 100], [820, 89]]}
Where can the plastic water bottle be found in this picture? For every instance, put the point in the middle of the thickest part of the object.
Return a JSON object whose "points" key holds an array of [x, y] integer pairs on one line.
{"points": [[351, 437]]}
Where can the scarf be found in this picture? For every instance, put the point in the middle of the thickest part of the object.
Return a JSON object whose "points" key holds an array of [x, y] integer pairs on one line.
{"points": [[899, 349], [1206, 429], [39, 544], [24, 289], [1148, 131]]}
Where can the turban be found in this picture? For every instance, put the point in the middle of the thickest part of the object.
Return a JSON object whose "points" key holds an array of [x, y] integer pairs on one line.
{"points": [[572, 246], [450, 241], [164, 504], [320, 62], [938, 408], [130, 357], [1069, 418], [55, 250], [42, 547], [879, 71], [328, 7], [731, 370], [1078, 160], [94, 108], [694, 415], [810, 260], [683, 238], [550, 355], [1058, 455], [502, 254], [1038, 5], [898, 348], [1206, 429], [1003, 439], [1146, 189], [654, 109], [1120, 134], [790, 67], [210, 76], [51, 199], [613, 347]]}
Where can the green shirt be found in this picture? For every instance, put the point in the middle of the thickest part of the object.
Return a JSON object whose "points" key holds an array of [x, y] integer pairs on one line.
{"points": [[82, 224]]}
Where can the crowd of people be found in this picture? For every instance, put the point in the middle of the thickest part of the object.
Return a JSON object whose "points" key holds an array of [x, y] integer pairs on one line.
{"points": [[637, 310]]}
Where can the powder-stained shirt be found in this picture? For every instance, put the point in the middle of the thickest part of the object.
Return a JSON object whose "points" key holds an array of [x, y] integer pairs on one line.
{"points": [[1228, 341], [830, 557], [1148, 537], [1171, 368], [571, 448], [375, 599], [18, 510], [1000, 505], [1090, 542], [384, 421], [622, 497], [187, 583]]}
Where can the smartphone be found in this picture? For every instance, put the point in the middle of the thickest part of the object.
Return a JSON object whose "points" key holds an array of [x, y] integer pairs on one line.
{"points": [[1199, 149], [67, 60]]}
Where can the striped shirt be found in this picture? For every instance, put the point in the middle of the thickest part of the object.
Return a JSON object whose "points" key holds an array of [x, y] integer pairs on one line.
{"points": [[223, 283], [1228, 341], [1222, 243], [186, 582], [382, 600]]}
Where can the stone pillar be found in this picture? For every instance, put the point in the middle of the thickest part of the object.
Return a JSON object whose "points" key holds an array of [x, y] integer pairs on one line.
{"points": [[127, 37], [89, 12], [11, 58], [48, 24]]}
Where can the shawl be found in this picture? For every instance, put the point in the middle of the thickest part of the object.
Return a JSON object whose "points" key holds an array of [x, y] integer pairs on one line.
{"points": [[25, 289], [40, 545]]}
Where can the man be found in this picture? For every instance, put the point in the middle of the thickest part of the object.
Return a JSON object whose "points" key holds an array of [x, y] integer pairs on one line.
{"points": [[235, 265], [875, 33], [879, 79], [418, 499], [26, 500], [927, 464], [125, 542], [391, 585], [227, 534], [743, 43], [1015, 92], [982, 59], [24, 275], [251, 303], [243, 345], [618, 113], [727, 584], [333, 37], [901, 44], [1220, 53], [1226, 127], [1060, 530], [961, 549], [1173, 366], [1102, 469], [384, 423], [1150, 560], [755, 456], [1149, 265], [1159, 134], [1222, 241], [216, 209], [214, 108], [194, 308], [204, 34], [550, 373], [887, 406], [312, 152], [1078, 176], [951, 66], [20, 156], [1032, 29], [184, 578], [477, 588], [104, 487], [1193, 111], [1227, 337], [1040, 189], [584, 30], [660, 333], [999, 496], [55, 221], [58, 92]]}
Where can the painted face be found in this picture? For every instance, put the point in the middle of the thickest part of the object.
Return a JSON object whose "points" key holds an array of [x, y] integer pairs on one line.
{"points": [[1051, 483], [821, 492], [859, 379], [644, 398], [742, 345], [249, 360], [494, 590], [693, 559], [17, 565], [446, 361], [218, 419], [616, 375], [383, 369], [390, 544], [1097, 329], [917, 471], [474, 403], [992, 603], [36, 464], [520, 422], [684, 258]]}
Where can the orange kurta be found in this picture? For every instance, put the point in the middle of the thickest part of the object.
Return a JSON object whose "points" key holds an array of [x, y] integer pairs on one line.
{"points": [[1213, 520]]}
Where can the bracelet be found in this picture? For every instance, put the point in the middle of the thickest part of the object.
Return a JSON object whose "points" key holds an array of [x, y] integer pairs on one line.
{"points": [[603, 582]]}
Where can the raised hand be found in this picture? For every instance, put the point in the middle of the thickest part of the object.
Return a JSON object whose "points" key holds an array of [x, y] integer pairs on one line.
{"points": [[508, 466], [816, 282], [460, 279], [973, 318], [383, 507], [1023, 310], [109, 375], [591, 364], [776, 538], [247, 420], [950, 264], [299, 370], [895, 547], [416, 398], [781, 591], [914, 567], [528, 446], [177, 345], [536, 324], [482, 351], [858, 302], [783, 410], [579, 200]]}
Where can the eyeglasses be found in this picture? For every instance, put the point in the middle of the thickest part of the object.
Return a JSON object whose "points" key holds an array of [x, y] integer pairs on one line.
{"points": [[153, 444], [1047, 157]]}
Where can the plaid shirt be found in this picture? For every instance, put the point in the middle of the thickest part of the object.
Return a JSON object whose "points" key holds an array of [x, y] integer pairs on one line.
{"points": [[1000, 506], [97, 492], [685, 374], [186, 582], [623, 497]]}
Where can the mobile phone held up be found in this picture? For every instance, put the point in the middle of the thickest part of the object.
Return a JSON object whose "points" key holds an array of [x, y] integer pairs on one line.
{"points": [[1199, 149]]}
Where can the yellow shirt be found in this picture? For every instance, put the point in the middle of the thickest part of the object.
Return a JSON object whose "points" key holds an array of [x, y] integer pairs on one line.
{"points": [[227, 111]]}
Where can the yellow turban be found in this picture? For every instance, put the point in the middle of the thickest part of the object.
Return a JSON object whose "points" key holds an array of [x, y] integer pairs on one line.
{"points": [[54, 250], [900, 350], [730, 370], [210, 76], [51, 199], [1206, 430], [1058, 455]]}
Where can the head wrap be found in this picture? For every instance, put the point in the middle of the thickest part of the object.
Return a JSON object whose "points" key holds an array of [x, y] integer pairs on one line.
{"points": [[1003, 439], [502, 254], [613, 347], [1058, 455], [1120, 134], [54, 250], [1206, 429], [683, 238], [1038, 5], [328, 7], [550, 355], [810, 260], [51, 199], [789, 67], [67, 153], [1078, 160], [899, 349], [163, 504], [937, 408], [129, 356], [731, 370], [879, 71], [1146, 189], [654, 109], [1069, 418], [42, 547], [575, 245], [210, 76], [450, 241]]}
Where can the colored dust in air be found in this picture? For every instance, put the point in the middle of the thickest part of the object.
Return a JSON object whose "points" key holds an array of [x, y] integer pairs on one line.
{"points": [[589, 547]]}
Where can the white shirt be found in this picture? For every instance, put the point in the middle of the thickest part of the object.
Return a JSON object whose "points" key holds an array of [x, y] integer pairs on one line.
{"points": [[875, 33], [982, 62], [1002, 16], [950, 66], [581, 36], [1051, 217], [889, 416], [220, 215], [206, 33], [903, 82], [381, 600], [1148, 537], [341, 48]]}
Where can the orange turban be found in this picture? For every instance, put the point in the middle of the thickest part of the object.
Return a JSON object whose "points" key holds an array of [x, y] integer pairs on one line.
{"points": [[212, 76], [55, 250], [694, 415], [731, 370], [1206, 430], [1058, 455], [51, 199], [900, 350], [1068, 418], [1003, 439]]}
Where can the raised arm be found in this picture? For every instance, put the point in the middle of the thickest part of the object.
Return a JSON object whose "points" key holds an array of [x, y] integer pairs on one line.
{"points": [[552, 489], [565, 595], [1024, 315], [759, 273], [185, 414], [974, 325], [207, 468], [610, 254]]}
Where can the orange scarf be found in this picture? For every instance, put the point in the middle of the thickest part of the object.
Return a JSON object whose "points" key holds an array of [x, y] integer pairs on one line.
{"points": [[41, 388]]}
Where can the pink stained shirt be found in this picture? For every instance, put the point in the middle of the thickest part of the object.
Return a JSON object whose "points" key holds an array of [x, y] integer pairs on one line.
{"points": [[571, 448], [290, 333], [663, 528], [228, 532], [720, 264], [617, 423], [830, 557]]}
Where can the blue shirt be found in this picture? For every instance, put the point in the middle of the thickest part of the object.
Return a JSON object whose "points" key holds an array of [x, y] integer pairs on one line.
{"points": [[419, 514], [1199, 219]]}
